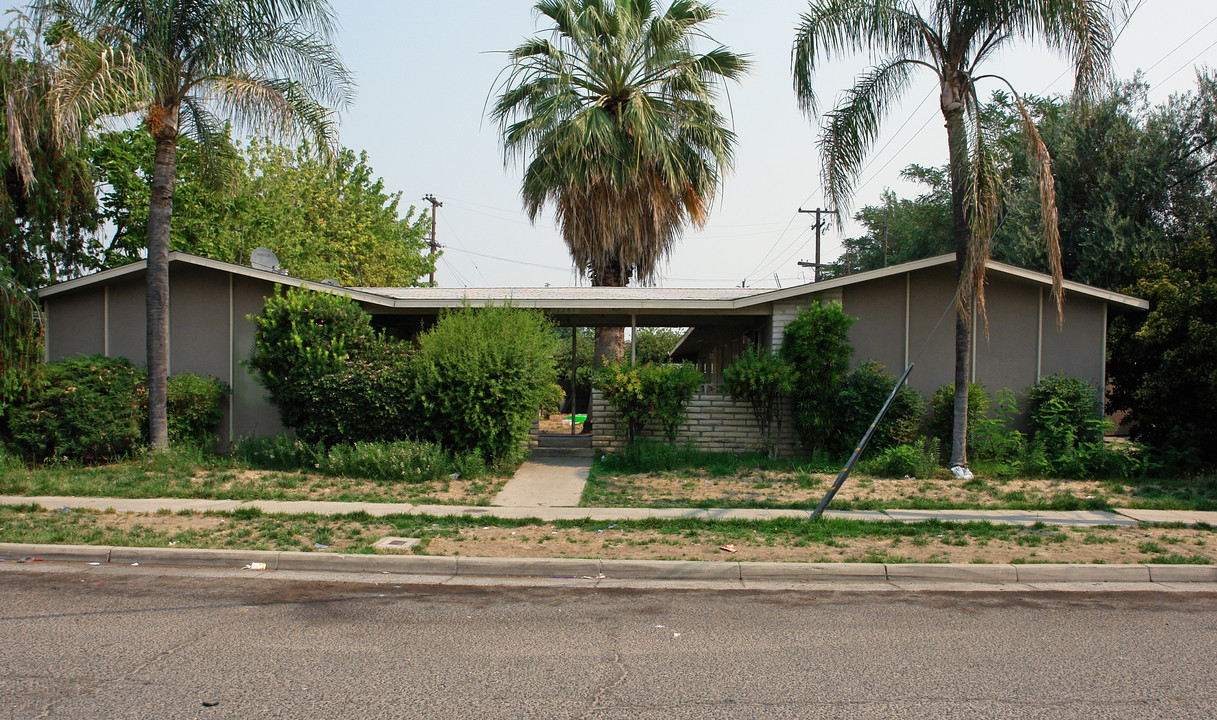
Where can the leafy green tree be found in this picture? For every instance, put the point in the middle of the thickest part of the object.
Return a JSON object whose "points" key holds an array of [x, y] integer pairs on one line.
{"points": [[1163, 368], [204, 217], [48, 212], [901, 230], [652, 345], [326, 219], [953, 39], [266, 64], [614, 111]]}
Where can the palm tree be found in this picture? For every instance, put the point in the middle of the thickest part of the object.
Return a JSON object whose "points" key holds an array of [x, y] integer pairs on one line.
{"points": [[184, 65], [951, 39], [615, 113]]}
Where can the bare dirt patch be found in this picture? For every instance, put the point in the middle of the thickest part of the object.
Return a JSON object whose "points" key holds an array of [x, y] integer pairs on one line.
{"points": [[1050, 545], [701, 488]]}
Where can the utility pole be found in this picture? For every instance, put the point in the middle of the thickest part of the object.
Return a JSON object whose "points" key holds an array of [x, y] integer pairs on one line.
{"points": [[819, 225], [434, 245]]}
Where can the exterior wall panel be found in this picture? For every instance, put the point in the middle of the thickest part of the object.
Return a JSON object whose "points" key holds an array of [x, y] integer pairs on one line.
{"points": [[128, 320], [930, 292], [1007, 357], [255, 415], [1076, 347], [879, 332], [198, 321], [75, 324]]}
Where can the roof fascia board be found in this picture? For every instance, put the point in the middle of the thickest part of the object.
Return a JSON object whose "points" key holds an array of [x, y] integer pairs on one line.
{"points": [[813, 288], [186, 258], [993, 265]]}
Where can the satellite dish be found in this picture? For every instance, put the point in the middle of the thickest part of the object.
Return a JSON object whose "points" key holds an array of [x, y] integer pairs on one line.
{"points": [[264, 259], [331, 281]]}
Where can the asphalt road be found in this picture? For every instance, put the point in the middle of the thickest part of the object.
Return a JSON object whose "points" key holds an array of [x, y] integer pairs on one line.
{"points": [[136, 643]]}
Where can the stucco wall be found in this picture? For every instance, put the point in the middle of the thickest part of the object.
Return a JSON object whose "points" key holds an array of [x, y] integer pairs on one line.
{"points": [[716, 424]]}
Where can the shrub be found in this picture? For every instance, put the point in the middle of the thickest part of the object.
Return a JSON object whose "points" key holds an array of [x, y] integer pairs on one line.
{"points": [[855, 406], [86, 407], [480, 375], [761, 379], [21, 341], [917, 461], [300, 336], [1061, 412], [672, 387], [816, 344], [194, 405], [642, 393], [369, 398], [941, 425], [280, 452], [994, 436], [407, 461]]}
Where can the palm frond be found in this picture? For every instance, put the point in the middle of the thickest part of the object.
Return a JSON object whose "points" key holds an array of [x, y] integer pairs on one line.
{"points": [[851, 128], [831, 28]]}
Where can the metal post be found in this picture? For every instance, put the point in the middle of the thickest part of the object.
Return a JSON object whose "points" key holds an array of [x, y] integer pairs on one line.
{"points": [[633, 339], [574, 340], [849, 465]]}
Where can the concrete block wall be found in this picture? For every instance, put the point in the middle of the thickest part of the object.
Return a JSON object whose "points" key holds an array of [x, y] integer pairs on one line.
{"points": [[787, 310], [716, 424]]}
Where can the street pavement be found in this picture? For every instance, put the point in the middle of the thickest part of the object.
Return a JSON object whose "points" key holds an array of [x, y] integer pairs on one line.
{"points": [[123, 642]]}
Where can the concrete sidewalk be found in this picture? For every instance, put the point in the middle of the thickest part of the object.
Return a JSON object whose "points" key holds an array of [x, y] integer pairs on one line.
{"points": [[546, 482], [1005, 517]]}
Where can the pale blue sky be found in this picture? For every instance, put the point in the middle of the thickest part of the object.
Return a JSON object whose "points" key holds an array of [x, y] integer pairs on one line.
{"points": [[425, 70]]}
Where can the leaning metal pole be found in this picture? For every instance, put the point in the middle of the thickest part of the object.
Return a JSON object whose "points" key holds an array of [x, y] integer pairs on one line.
{"points": [[849, 465]]}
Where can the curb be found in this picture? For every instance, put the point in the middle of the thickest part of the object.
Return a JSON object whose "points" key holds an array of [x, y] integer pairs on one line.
{"points": [[592, 568]]}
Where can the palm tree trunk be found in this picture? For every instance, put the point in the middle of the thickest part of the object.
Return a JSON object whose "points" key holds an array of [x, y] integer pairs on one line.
{"points": [[957, 140], [609, 344], [160, 214]]}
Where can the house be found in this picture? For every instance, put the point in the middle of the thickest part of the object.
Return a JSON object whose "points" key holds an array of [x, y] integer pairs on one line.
{"points": [[898, 309]]}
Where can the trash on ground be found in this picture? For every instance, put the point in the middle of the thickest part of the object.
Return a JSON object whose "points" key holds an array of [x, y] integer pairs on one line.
{"points": [[454, 476], [255, 566], [319, 546], [612, 526], [210, 703], [63, 510], [728, 548], [95, 563], [134, 564]]}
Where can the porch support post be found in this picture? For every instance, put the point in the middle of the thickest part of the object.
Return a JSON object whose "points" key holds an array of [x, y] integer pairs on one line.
{"points": [[574, 340], [633, 338]]}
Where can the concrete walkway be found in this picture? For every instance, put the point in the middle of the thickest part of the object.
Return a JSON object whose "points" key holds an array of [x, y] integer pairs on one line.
{"points": [[1004, 517], [546, 482]]}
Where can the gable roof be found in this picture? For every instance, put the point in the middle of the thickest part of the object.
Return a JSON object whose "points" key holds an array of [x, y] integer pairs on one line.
{"points": [[590, 298]]}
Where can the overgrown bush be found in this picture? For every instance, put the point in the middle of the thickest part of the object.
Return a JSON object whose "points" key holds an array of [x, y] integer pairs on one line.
{"points": [[920, 460], [84, 408], [763, 380], [642, 393], [816, 344], [858, 401], [480, 375], [194, 405], [993, 437], [1061, 412], [300, 336], [369, 398], [941, 425]]}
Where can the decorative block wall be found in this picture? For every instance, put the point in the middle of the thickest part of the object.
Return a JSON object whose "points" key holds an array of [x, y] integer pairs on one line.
{"points": [[716, 423]]}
